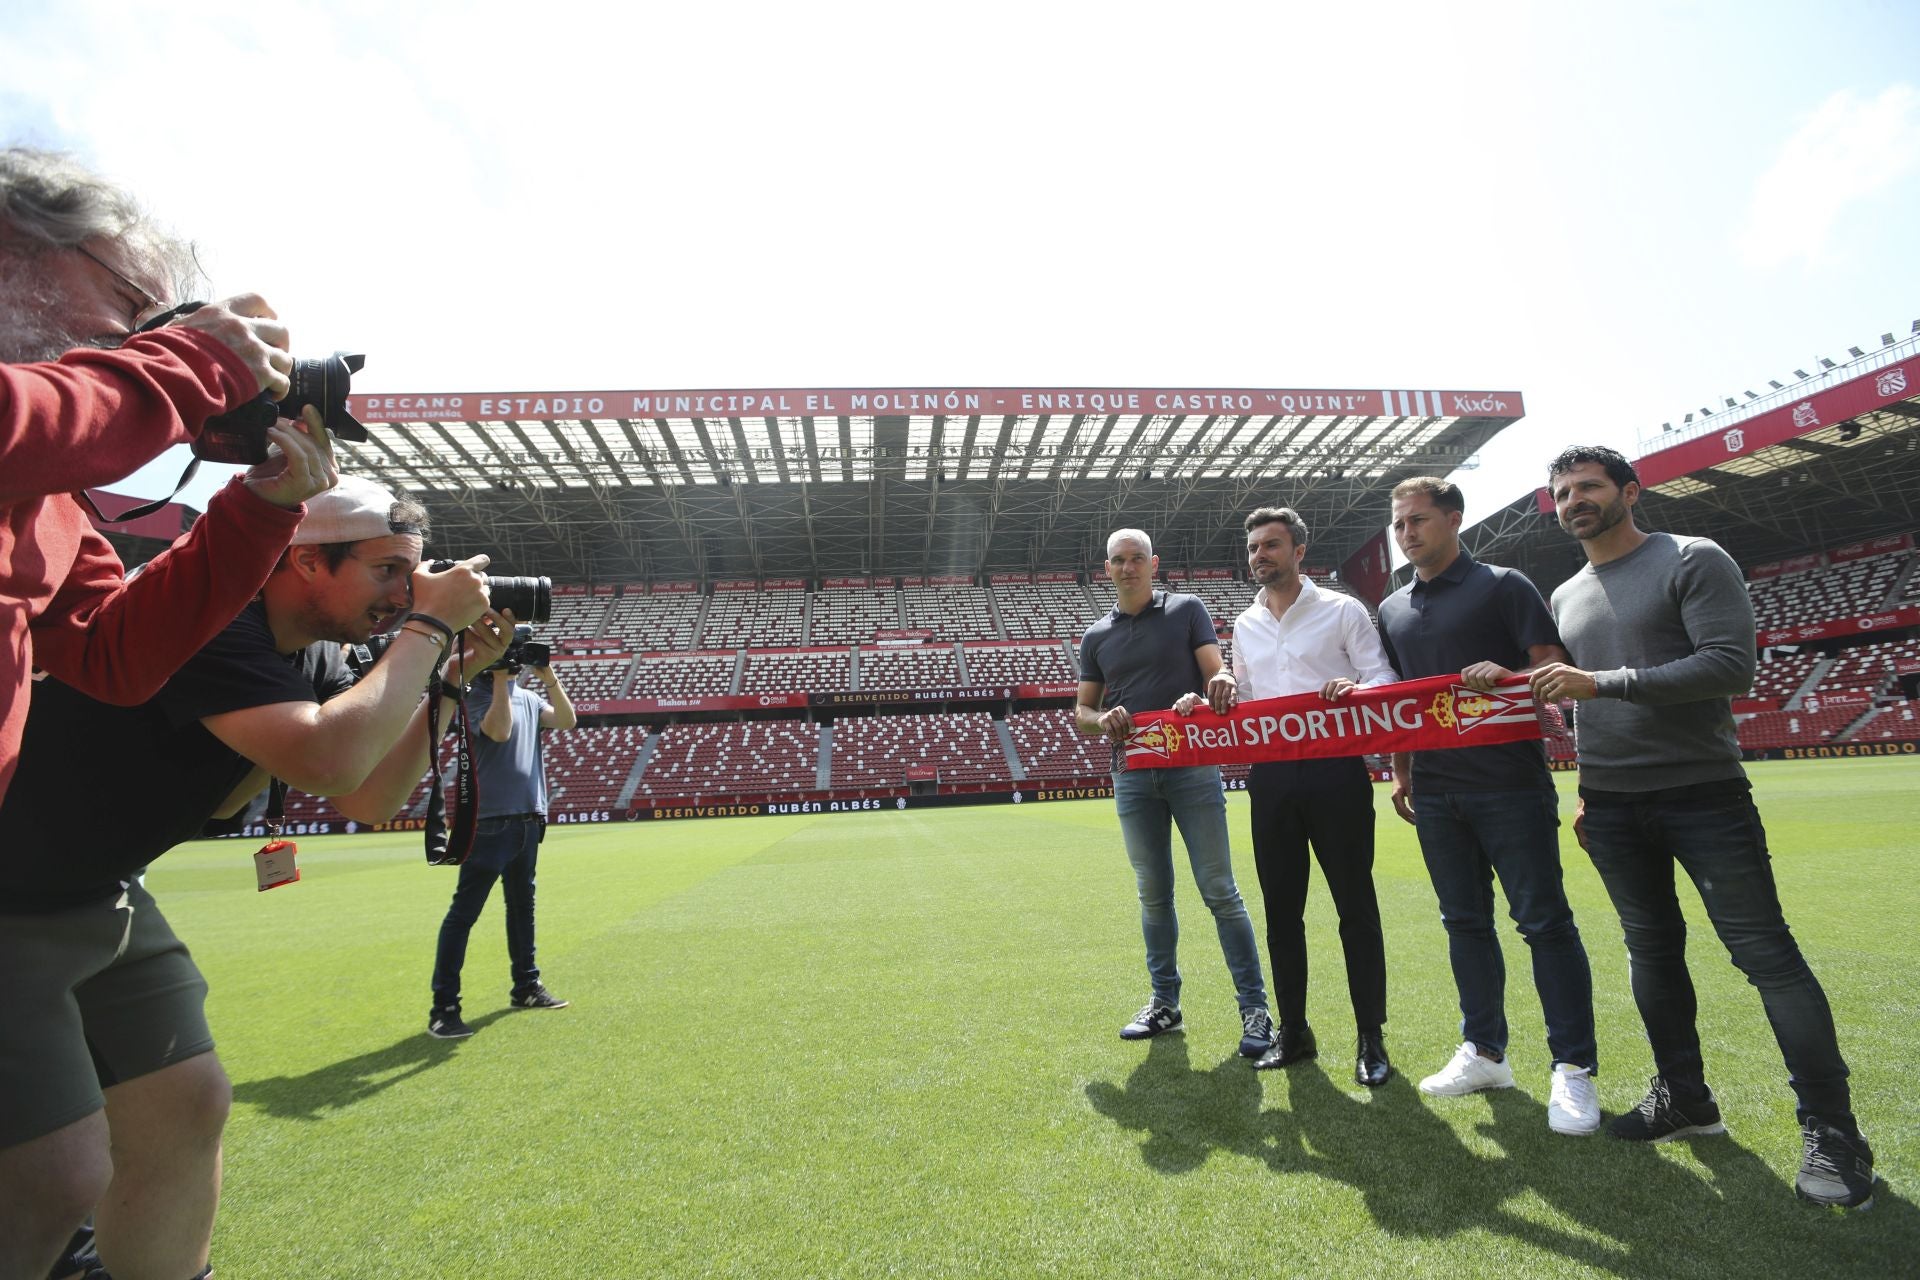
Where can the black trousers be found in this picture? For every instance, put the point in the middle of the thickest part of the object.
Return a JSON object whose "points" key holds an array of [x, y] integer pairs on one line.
{"points": [[1326, 805]]}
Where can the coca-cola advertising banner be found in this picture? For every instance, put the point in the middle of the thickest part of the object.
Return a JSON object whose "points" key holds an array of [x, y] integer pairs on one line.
{"points": [[860, 401], [1907, 617], [1877, 547], [1849, 399]]}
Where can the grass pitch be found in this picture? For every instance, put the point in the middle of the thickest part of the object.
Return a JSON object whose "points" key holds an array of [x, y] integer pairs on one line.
{"points": [[884, 1045]]}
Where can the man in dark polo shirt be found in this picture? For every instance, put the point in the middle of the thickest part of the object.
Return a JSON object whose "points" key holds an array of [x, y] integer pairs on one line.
{"points": [[1487, 811], [1152, 648]]}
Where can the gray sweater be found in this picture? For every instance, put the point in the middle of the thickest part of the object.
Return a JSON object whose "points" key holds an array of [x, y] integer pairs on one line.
{"points": [[1668, 632]]}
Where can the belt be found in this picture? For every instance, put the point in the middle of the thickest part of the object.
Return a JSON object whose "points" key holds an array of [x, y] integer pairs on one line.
{"points": [[516, 817]]}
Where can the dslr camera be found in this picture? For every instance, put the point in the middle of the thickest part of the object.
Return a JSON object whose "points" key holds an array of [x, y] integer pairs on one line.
{"points": [[240, 435], [523, 652]]}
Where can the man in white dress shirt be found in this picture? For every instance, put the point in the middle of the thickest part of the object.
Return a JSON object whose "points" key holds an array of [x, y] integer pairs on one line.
{"points": [[1293, 639]]}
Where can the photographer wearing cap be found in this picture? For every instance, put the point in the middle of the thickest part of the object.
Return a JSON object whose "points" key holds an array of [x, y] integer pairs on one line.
{"points": [[110, 1094], [506, 844], [83, 402]]}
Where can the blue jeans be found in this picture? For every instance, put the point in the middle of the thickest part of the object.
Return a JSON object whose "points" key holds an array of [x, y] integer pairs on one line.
{"points": [[1149, 802], [1713, 832], [1469, 837], [507, 850]]}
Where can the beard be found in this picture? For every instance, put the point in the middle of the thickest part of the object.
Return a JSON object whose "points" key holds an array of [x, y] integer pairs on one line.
{"points": [[1605, 518], [30, 306]]}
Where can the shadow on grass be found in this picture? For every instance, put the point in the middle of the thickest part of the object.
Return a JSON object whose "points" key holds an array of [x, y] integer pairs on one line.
{"points": [[1617, 1207], [353, 1080]]}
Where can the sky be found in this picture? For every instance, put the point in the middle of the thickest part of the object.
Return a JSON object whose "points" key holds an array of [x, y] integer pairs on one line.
{"points": [[1623, 212]]}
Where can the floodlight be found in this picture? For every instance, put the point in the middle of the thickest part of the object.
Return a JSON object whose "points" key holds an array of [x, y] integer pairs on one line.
{"points": [[1827, 364], [1750, 395], [1775, 385], [1886, 339], [1801, 374], [1855, 352], [1729, 400]]}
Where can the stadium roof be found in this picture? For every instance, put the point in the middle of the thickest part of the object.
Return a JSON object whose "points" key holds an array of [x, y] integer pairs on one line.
{"points": [[1829, 460], [628, 486]]}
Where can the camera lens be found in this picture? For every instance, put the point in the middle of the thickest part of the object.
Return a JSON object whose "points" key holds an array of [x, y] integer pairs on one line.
{"points": [[531, 599]]}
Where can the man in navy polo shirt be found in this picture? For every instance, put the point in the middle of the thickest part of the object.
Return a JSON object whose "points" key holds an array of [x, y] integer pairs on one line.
{"points": [[1152, 648], [1487, 811]]}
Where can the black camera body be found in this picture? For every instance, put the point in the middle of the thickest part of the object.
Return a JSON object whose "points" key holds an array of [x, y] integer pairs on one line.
{"points": [[530, 599], [523, 652], [240, 436]]}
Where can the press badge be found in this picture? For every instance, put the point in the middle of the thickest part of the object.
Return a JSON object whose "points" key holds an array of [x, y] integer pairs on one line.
{"points": [[274, 864]]}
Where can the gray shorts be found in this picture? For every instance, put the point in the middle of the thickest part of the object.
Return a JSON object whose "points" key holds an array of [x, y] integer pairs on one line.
{"points": [[89, 998]]}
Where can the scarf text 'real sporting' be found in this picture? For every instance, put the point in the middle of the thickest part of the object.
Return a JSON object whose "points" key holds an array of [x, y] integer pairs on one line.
{"points": [[1415, 715]]}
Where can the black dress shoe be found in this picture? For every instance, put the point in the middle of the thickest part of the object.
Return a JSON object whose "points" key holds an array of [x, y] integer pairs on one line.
{"points": [[1292, 1042], [1370, 1065]]}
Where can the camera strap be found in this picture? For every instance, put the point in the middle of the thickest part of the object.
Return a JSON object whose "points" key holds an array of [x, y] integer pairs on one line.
{"points": [[450, 848], [148, 508]]}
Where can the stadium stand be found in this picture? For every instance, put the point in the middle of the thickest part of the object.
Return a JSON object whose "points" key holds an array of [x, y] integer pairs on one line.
{"points": [[950, 613], [1225, 598], [1783, 676], [587, 678], [1866, 668], [761, 757], [889, 751], [579, 616], [1046, 610], [1824, 593], [588, 766], [1899, 721], [850, 615], [1051, 749], [693, 675], [1016, 664], [761, 619], [809, 670], [655, 622], [919, 666]]}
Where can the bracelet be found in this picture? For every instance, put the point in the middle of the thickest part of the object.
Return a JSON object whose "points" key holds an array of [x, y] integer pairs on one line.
{"points": [[433, 637], [433, 622]]}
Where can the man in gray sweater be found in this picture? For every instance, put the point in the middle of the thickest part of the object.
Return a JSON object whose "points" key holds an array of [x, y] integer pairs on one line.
{"points": [[1663, 635]]}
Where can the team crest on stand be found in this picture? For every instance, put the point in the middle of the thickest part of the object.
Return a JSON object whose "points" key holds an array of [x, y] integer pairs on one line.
{"points": [[1892, 382], [1462, 709]]}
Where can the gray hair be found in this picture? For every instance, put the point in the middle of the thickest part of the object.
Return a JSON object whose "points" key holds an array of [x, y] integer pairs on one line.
{"points": [[1130, 535], [49, 200]]}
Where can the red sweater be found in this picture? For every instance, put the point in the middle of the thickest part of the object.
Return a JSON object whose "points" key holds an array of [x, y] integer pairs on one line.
{"points": [[90, 419]]}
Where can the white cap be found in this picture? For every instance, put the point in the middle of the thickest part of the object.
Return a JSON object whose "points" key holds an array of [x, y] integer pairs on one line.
{"points": [[353, 510]]}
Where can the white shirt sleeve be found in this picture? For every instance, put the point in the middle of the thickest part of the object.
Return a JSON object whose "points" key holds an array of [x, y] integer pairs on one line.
{"points": [[1364, 647]]}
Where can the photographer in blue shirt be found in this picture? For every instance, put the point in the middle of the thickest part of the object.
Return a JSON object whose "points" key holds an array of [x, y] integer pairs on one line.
{"points": [[506, 843]]}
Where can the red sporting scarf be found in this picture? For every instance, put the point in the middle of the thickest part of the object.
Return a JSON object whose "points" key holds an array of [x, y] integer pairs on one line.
{"points": [[1414, 715]]}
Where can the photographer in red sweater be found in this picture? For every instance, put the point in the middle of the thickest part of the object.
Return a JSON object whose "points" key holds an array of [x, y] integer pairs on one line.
{"points": [[84, 402]]}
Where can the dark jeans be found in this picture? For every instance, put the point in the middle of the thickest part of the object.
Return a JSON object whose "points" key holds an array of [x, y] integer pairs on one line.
{"points": [[1326, 805], [1713, 831], [1467, 838], [507, 850]]}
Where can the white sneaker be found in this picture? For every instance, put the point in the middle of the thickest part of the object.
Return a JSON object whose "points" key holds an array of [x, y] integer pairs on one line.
{"points": [[1573, 1106], [1468, 1072]]}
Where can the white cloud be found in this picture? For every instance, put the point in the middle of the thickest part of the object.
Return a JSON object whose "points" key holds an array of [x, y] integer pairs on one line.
{"points": [[1848, 151]]}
